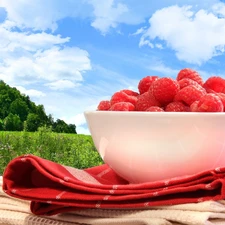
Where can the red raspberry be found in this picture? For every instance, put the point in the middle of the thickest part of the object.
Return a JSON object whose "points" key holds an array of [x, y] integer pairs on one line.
{"points": [[145, 101], [216, 84], [130, 92], [210, 103], [191, 74], [194, 106], [177, 107], [164, 89], [154, 109], [122, 97], [145, 83], [190, 94], [104, 105], [187, 81], [122, 106], [222, 98]]}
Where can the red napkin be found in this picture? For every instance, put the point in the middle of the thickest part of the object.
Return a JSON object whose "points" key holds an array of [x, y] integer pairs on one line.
{"points": [[54, 188]]}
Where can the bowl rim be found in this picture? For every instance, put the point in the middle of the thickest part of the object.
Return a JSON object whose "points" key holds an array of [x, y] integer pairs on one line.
{"points": [[146, 113]]}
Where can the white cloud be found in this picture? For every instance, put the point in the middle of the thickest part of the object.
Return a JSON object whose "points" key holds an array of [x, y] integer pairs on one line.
{"points": [[12, 41], [143, 41], [107, 14], [44, 15], [78, 119], [162, 68], [61, 85], [62, 63], [195, 37], [50, 65], [139, 31], [34, 57], [37, 14], [82, 130], [30, 92], [219, 9]]}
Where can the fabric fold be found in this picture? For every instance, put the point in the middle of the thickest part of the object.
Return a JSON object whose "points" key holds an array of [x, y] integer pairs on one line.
{"points": [[53, 188], [14, 211]]}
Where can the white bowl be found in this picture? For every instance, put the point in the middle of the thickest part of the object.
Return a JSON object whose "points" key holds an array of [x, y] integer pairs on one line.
{"points": [[151, 146]]}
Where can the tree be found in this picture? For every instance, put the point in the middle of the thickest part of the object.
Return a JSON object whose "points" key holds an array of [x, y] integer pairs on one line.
{"points": [[60, 126], [50, 121], [13, 123], [20, 108], [72, 128], [1, 125], [33, 122], [18, 111], [40, 111]]}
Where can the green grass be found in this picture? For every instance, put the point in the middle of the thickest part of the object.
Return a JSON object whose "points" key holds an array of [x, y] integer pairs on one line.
{"points": [[74, 150]]}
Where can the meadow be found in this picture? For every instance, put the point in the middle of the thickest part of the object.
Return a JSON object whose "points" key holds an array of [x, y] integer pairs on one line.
{"points": [[76, 150]]}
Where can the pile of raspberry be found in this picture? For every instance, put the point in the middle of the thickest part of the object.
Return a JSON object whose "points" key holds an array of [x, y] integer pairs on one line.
{"points": [[187, 93]]}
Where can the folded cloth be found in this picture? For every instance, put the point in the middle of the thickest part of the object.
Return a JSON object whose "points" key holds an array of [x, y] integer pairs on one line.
{"points": [[53, 188], [14, 211]]}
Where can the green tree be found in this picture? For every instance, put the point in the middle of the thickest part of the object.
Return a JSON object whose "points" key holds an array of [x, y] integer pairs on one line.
{"points": [[33, 122], [12, 102], [40, 111], [72, 128], [1, 124], [60, 126], [20, 108], [13, 123]]}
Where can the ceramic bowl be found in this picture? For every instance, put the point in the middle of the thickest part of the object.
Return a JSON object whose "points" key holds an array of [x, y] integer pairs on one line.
{"points": [[152, 146]]}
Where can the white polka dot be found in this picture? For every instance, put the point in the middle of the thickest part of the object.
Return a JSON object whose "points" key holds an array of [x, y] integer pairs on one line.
{"points": [[66, 178], [61, 181], [13, 191], [98, 205], [167, 182], [58, 197], [106, 197], [208, 186], [114, 187], [217, 169], [111, 191]]}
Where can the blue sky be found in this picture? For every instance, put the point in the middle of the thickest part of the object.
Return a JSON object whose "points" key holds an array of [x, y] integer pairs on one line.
{"points": [[69, 55]]}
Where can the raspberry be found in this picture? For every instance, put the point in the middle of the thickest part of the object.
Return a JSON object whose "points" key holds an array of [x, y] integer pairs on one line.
{"points": [[130, 92], [191, 74], [190, 94], [222, 98], [122, 97], [187, 81], [145, 83], [177, 107], [122, 106], [145, 101], [104, 105], [154, 109], [216, 84], [164, 89], [210, 103], [194, 106]]}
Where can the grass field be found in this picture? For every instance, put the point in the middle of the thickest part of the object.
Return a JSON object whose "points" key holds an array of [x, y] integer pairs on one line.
{"points": [[74, 150]]}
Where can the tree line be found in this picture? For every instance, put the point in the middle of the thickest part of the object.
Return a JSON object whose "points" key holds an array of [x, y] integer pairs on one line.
{"points": [[18, 112]]}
